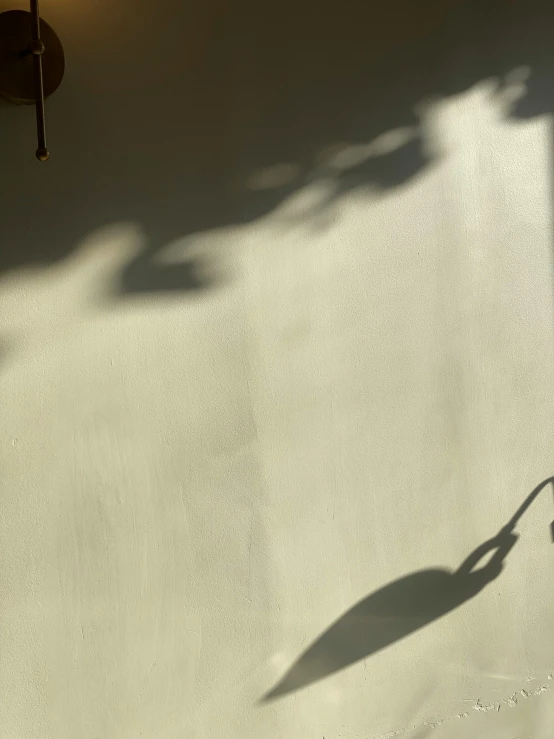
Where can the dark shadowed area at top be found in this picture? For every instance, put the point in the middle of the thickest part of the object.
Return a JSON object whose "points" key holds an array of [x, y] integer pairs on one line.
{"points": [[184, 119], [400, 608]]}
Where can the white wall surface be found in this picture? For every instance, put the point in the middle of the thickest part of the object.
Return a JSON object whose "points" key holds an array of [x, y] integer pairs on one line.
{"points": [[276, 329]]}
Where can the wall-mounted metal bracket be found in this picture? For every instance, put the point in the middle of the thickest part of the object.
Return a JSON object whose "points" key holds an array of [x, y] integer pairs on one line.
{"points": [[32, 64]]}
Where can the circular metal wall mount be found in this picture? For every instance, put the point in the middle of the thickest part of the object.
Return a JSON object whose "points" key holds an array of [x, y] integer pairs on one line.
{"points": [[32, 64]]}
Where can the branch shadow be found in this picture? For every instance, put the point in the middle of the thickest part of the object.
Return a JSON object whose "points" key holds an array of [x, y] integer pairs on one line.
{"points": [[182, 115]]}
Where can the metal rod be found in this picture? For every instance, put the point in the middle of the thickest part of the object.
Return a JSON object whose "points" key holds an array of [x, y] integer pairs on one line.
{"points": [[37, 49]]}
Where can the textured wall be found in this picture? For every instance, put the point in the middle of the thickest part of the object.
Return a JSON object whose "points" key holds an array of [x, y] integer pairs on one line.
{"points": [[276, 330]]}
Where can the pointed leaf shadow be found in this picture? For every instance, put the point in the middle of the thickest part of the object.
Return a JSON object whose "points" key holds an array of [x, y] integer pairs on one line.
{"points": [[398, 609]]}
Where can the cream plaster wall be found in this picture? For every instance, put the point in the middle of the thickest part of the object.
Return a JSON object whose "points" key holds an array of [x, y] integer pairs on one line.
{"points": [[276, 329]]}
